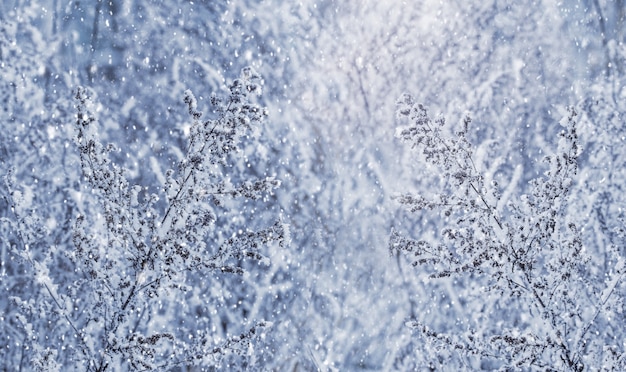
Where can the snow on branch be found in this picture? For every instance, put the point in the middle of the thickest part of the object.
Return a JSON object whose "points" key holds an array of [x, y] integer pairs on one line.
{"points": [[534, 256], [134, 247]]}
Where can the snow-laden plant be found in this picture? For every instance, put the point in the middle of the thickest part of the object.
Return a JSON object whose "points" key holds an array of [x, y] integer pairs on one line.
{"points": [[134, 249], [524, 276]]}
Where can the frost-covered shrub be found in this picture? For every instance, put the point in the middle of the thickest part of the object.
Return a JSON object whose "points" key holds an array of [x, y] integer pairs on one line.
{"points": [[134, 246], [533, 296]]}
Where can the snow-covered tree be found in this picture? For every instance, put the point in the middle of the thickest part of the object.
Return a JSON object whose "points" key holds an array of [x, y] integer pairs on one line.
{"points": [[124, 304], [533, 295]]}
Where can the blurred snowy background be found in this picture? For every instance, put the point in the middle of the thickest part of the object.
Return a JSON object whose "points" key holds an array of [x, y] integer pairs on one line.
{"points": [[332, 72]]}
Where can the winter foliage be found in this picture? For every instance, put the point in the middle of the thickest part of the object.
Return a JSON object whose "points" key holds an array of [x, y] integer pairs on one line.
{"points": [[131, 259], [531, 255], [236, 185]]}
